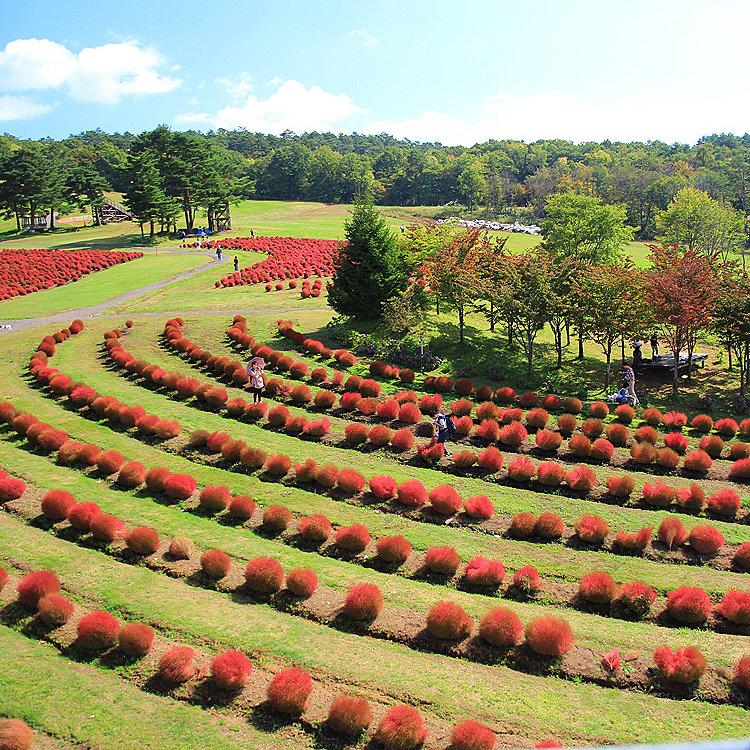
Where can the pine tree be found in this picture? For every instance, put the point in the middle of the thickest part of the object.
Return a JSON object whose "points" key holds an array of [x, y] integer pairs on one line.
{"points": [[146, 197], [370, 268]]}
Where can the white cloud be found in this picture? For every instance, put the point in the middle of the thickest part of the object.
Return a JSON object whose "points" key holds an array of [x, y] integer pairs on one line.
{"points": [[368, 40], [292, 106], [238, 87], [96, 74], [21, 108]]}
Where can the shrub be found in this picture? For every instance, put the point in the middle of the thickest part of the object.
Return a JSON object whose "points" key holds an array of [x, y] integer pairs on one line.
{"points": [[302, 581], [109, 462], [643, 452], [637, 597], [549, 636], [156, 478], [487, 410], [676, 441], [315, 528], [354, 538], [241, 507], [445, 499], [278, 416], [551, 402], [278, 465], [430, 404], [739, 451], [580, 445], [182, 548], [214, 498], [98, 630], [742, 672], [54, 610], [177, 665], [705, 540], [51, 440], [742, 556], [317, 428], [106, 528], [180, 486], [442, 560], [672, 532], [684, 666], [618, 434], [412, 493], [572, 405], [479, 506], [326, 475], [527, 580], [448, 621], [57, 504], [521, 469], [464, 459], [528, 400], [598, 588], [409, 413], [11, 488], [674, 420], [388, 409], [537, 418], [401, 728], [646, 434], [725, 502], [254, 412], [264, 575], [367, 406], [549, 526], [726, 427], [504, 395], [702, 423], [513, 434], [276, 518], [599, 410], [580, 479], [735, 606], [634, 540], [740, 469], [691, 498], [461, 408], [349, 715], [567, 423], [350, 481], [215, 563], [691, 605], [135, 639], [592, 427], [383, 487], [488, 430], [393, 549], [132, 475], [602, 450], [356, 433], [301, 394], [142, 540], [253, 458], [522, 525], [547, 440], [15, 735], [403, 439], [231, 670], [550, 474], [652, 417], [501, 627], [592, 529], [483, 572], [625, 413], [659, 495], [712, 444], [363, 601], [490, 458]]}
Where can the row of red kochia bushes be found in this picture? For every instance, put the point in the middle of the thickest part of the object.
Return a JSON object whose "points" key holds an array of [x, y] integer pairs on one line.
{"points": [[288, 692], [546, 635]]}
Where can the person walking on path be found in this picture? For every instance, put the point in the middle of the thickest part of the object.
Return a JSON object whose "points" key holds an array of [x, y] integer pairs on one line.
{"points": [[441, 431], [236, 264], [255, 372], [629, 378], [218, 252]]}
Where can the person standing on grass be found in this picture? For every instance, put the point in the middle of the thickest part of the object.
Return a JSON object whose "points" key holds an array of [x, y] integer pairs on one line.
{"points": [[256, 380], [441, 430], [236, 264], [629, 377], [654, 346]]}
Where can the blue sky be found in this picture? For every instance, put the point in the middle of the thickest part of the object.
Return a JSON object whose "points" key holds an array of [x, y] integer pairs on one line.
{"points": [[455, 72]]}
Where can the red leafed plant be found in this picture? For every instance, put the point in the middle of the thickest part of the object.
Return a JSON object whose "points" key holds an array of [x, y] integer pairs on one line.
{"points": [[735, 606], [527, 580], [383, 487], [278, 465], [215, 563], [698, 460], [659, 495], [611, 661], [550, 473], [106, 528], [741, 557], [314, 528], [349, 715], [513, 434], [231, 670], [136, 639], [264, 575], [445, 499], [143, 540], [483, 572], [215, 498], [490, 458], [618, 434], [742, 671], [479, 506], [725, 502], [448, 621], [412, 493], [676, 441], [302, 581], [705, 539], [581, 479], [712, 444], [363, 601], [592, 529], [597, 587], [521, 469], [547, 440], [276, 518], [393, 549], [82, 514], [602, 450], [549, 636], [689, 604], [350, 481], [57, 504], [177, 665], [726, 427], [180, 486], [691, 498], [353, 538], [579, 445], [54, 610], [501, 627], [672, 532], [634, 540], [442, 560], [488, 430], [401, 728], [403, 439], [637, 597], [685, 665], [98, 630], [15, 735], [34, 586], [549, 526]]}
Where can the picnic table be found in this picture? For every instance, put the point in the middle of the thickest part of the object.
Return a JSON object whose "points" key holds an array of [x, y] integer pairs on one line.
{"points": [[666, 363]]}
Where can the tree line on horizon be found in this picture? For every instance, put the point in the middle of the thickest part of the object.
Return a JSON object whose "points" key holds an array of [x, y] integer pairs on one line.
{"points": [[166, 174]]}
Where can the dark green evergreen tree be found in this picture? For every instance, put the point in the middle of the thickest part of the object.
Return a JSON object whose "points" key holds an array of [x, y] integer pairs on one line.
{"points": [[370, 267]]}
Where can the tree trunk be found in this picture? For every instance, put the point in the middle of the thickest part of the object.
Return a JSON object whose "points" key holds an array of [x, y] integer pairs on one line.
{"points": [[492, 316], [461, 324], [52, 218], [691, 349], [529, 358], [609, 367], [675, 373], [729, 354], [151, 228], [623, 347], [567, 332], [18, 221], [510, 333], [580, 344]]}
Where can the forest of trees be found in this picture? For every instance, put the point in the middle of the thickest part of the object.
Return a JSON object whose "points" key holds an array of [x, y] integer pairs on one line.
{"points": [[496, 179]]}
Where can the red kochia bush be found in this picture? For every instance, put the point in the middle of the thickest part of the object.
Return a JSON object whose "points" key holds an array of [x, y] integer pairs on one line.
{"points": [[108, 462], [672, 532], [402, 440], [445, 499], [393, 549], [350, 481], [550, 474], [401, 728], [513, 434], [409, 413], [449, 621], [501, 627], [15, 735], [180, 486], [726, 427], [156, 478], [580, 446], [504, 395], [442, 560], [580, 479], [54, 610], [685, 665], [136, 639], [264, 575], [231, 670], [363, 601], [712, 444], [742, 556], [177, 665], [57, 504], [527, 580], [490, 458], [735, 606], [689, 604], [412, 493], [549, 636], [599, 410], [635, 540], [11, 488], [34, 586], [567, 423], [725, 502], [483, 572], [521, 469], [302, 581], [488, 430], [276, 518], [106, 528], [98, 630], [547, 440], [598, 588], [637, 597], [278, 465], [659, 495], [592, 529], [705, 539], [383, 487], [602, 450], [698, 460], [537, 418], [353, 538], [214, 498], [132, 475], [618, 434], [740, 469], [742, 671], [315, 528], [349, 715], [215, 563], [479, 506], [592, 427], [143, 541], [549, 526]]}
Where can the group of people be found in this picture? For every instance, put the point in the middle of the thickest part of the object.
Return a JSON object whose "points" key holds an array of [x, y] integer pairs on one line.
{"points": [[638, 355]]}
